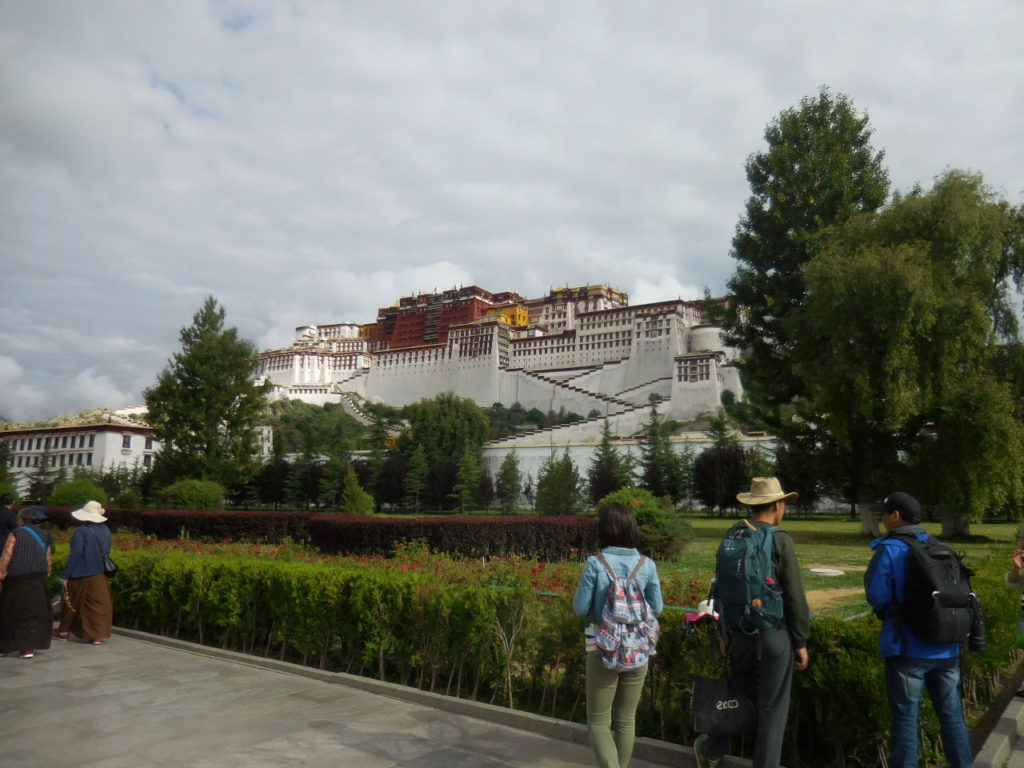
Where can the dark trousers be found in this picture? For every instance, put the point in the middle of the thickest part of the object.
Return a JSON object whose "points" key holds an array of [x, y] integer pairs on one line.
{"points": [[762, 666]]}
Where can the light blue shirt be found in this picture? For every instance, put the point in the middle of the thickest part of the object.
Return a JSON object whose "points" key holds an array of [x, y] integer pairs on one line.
{"points": [[595, 582]]}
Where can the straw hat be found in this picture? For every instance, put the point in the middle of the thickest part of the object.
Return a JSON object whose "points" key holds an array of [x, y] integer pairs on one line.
{"points": [[92, 512], [765, 490]]}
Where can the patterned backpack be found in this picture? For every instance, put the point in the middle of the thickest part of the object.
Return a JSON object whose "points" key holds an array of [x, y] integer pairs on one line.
{"points": [[629, 629]]}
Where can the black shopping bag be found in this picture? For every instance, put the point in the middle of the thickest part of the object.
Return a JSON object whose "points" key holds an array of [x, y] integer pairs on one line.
{"points": [[718, 707]]}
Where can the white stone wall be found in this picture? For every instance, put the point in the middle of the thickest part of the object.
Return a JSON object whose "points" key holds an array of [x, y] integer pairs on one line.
{"points": [[98, 447]]}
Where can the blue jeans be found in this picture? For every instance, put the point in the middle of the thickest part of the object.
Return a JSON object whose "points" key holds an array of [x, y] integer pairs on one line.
{"points": [[904, 679]]}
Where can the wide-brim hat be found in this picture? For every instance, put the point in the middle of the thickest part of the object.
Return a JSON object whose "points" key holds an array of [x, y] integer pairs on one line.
{"points": [[92, 512], [765, 490]]}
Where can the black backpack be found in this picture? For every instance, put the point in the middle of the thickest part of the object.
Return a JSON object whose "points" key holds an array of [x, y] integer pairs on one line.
{"points": [[939, 605], [747, 595]]}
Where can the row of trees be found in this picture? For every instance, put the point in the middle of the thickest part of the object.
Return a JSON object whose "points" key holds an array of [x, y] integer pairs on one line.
{"points": [[880, 330], [880, 337]]}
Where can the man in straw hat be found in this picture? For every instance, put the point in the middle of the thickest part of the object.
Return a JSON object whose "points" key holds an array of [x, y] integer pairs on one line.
{"points": [[766, 635]]}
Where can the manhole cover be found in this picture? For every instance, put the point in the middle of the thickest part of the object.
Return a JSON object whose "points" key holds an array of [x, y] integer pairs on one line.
{"points": [[826, 572]]}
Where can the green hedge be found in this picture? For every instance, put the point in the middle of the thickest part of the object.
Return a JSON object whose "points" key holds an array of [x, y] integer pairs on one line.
{"points": [[558, 537], [511, 646]]}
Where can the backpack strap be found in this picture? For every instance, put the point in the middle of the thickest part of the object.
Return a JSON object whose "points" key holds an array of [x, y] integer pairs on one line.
{"points": [[637, 567], [35, 535], [607, 566]]}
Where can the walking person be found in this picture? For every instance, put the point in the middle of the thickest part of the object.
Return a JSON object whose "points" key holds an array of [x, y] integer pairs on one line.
{"points": [[88, 611], [765, 639], [8, 517], [613, 697], [910, 663], [24, 607]]}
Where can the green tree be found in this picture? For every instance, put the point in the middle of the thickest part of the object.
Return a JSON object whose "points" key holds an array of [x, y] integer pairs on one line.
{"points": [[205, 405], [559, 486], [818, 170], [6, 478], [608, 471], [446, 427], [899, 344], [332, 480], [718, 474], [510, 482], [354, 500], [467, 482], [658, 462], [193, 494], [416, 476], [77, 492], [44, 477]]}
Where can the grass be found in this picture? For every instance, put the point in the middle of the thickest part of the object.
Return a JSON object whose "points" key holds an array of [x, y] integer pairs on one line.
{"points": [[833, 543]]}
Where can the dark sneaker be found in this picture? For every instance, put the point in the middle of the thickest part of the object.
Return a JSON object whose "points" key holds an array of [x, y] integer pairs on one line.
{"points": [[26, 655], [698, 751], [60, 635]]}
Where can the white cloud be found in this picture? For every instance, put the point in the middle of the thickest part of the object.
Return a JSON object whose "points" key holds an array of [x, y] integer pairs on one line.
{"points": [[311, 162]]}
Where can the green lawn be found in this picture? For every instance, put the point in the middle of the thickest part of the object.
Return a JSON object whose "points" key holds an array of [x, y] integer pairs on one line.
{"points": [[833, 543]]}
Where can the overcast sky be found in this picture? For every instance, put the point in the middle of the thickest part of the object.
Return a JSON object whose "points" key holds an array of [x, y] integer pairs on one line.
{"points": [[309, 162]]}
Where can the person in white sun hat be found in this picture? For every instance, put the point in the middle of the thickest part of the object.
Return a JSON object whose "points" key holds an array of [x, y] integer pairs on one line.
{"points": [[88, 610]]}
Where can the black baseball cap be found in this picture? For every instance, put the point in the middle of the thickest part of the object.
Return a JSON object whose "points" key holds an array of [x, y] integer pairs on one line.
{"points": [[899, 501]]}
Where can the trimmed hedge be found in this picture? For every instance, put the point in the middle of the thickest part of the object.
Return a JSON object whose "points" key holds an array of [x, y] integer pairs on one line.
{"points": [[510, 646], [548, 538]]}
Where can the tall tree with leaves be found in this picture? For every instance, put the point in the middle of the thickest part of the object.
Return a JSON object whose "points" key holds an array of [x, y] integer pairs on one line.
{"points": [[467, 482], [559, 486], [510, 483], [900, 346], [608, 472], [205, 405], [658, 463], [416, 476], [818, 170]]}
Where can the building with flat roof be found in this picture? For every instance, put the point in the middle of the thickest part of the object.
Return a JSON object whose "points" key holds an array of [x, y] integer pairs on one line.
{"points": [[584, 349], [100, 447]]}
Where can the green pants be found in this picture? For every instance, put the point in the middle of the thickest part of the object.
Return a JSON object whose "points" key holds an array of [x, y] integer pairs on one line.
{"points": [[612, 699]]}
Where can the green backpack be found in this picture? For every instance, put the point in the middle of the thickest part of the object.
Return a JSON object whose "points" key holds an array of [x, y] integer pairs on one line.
{"points": [[747, 596]]}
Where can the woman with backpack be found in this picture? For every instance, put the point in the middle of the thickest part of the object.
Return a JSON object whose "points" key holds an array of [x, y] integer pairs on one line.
{"points": [[616, 670]]}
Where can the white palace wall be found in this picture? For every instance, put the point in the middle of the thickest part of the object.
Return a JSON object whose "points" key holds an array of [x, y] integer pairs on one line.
{"points": [[603, 361]]}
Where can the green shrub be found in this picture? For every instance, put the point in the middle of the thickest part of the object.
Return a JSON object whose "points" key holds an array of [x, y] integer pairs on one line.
{"points": [[504, 643], [127, 500], [193, 494], [76, 493], [663, 531]]}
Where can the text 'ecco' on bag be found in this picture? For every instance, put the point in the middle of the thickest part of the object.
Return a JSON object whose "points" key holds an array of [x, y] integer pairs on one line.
{"points": [[718, 707]]}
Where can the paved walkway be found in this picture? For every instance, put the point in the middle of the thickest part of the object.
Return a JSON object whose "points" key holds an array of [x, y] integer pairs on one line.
{"points": [[140, 701]]}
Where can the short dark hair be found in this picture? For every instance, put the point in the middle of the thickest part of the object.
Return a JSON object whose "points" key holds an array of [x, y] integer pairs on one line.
{"points": [[617, 526], [759, 508], [6, 500]]}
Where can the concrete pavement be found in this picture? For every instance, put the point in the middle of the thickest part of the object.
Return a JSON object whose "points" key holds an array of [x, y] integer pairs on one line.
{"points": [[139, 700]]}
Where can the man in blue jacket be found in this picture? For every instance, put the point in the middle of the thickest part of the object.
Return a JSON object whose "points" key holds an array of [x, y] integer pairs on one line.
{"points": [[909, 663]]}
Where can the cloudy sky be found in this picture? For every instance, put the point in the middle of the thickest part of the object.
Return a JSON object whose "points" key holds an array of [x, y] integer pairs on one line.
{"points": [[312, 161]]}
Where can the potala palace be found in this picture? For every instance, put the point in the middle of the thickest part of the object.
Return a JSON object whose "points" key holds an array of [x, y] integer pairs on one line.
{"points": [[583, 349]]}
